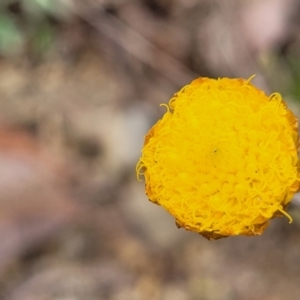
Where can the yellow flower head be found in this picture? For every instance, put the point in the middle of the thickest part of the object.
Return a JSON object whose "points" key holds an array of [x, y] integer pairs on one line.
{"points": [[223, 160]]}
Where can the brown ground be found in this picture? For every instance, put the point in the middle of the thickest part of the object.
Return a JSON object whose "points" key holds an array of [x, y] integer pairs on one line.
{"points": [[74, 221]]}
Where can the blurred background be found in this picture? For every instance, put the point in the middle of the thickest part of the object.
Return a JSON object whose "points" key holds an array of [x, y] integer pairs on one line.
{"points": [[80, 85]]}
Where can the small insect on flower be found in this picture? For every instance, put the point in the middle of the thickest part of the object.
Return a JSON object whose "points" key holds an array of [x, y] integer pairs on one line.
{"points": [[223, 160]]}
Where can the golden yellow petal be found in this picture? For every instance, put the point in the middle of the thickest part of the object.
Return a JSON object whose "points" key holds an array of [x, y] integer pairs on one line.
{"points": [[223, 160]]}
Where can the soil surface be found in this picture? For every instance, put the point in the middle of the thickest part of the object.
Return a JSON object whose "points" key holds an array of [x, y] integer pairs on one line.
{"points": [[74, 221]]}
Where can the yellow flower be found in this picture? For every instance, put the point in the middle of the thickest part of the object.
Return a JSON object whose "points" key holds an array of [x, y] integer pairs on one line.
{"points": [[223, 160]]}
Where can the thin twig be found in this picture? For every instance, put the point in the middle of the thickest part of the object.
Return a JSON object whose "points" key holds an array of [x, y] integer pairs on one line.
{"points": [[135, 44]]}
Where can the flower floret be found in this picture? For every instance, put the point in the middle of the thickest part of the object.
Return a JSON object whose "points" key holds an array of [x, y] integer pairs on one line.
{"points": [[223, 160]]}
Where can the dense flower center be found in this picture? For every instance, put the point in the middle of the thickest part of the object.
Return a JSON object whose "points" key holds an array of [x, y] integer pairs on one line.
{"points": [[223, 159]]}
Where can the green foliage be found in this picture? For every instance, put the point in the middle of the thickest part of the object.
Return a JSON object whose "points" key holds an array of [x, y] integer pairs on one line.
{"points": [[11, 37], [43, 38], [28, 25], [293, 63], [41, 8]]}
